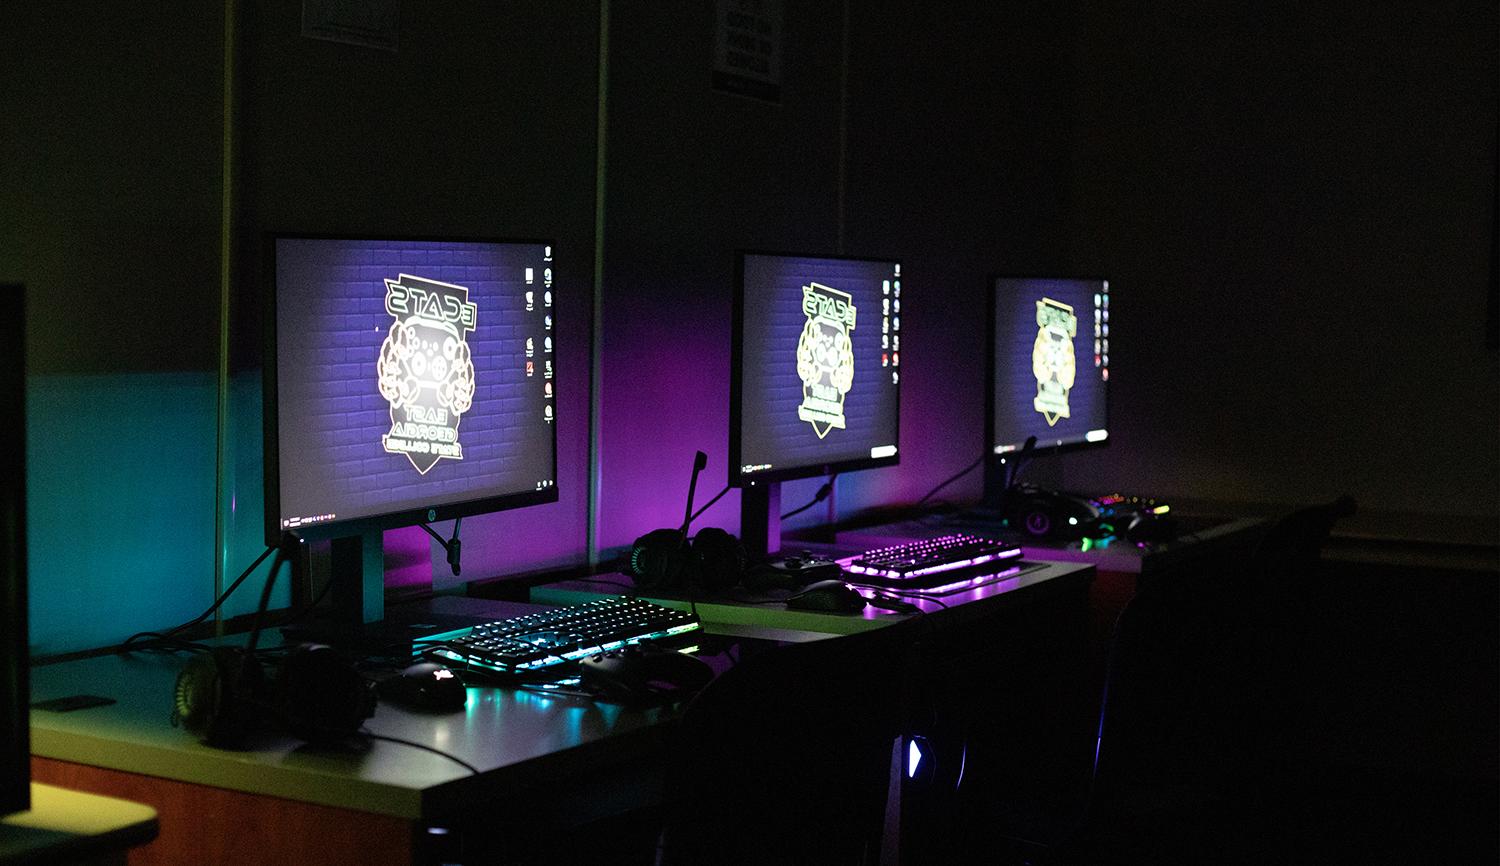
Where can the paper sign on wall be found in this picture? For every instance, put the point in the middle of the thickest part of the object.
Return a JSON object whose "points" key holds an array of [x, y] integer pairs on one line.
{"points": [[371, 23], [747, 50]]}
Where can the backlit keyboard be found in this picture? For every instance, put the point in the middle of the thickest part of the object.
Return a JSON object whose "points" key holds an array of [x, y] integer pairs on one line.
{"points": [[564, 634], [927, 563]]}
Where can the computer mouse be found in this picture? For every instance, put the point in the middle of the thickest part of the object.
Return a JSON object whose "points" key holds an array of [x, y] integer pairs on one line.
{"points": [[829, 595], [643, 674], [426, 687]]}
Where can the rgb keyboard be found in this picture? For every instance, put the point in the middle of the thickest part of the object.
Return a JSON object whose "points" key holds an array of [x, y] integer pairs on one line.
{"points": [[928, 563], [552, 637]]}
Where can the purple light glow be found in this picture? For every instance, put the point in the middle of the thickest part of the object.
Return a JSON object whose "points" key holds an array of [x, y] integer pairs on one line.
{"points": [[848, 565], [977, 582]]}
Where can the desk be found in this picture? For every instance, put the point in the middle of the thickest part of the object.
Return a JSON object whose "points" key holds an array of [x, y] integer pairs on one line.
{"points": [[548, 761], [1014, 678], [544, 759], [1200, 538], [65, 826], [741, 614]]}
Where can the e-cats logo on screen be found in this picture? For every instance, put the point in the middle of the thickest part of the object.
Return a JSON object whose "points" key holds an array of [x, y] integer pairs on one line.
{"points": [[825, 357], [1052, 360], [426, 370]]}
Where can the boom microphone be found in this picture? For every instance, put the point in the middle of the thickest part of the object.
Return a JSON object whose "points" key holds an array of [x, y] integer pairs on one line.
{"points": [[1018, 461], [700, 462]]}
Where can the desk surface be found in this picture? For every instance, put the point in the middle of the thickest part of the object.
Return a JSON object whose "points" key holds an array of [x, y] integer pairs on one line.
{"points": [[1199, 536], [520, 739], [65, 826], [529, 746], [747, 615]]}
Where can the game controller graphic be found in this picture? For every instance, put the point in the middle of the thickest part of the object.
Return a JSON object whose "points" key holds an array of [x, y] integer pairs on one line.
{"points": [[1052, 361], [426, 368], [825, 356]]}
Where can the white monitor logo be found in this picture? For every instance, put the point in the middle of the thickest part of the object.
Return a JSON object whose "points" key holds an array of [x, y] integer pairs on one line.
{"points": [[1052, 360], [426, 370], [825, 356]]}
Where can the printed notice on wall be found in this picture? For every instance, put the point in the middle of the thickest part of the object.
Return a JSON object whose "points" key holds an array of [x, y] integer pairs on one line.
{"points": [[371, 23], [747, 53]]}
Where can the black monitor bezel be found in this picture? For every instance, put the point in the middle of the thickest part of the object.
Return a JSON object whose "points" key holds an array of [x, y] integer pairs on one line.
{"points": [[991, 339], [736, 385], [269, 413], [15, 686]]}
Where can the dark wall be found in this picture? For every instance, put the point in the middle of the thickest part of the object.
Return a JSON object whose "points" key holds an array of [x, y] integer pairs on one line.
{"points": [[692, 175], [481, 124], [111, 189], [1295, 202], [959, 164], [1295, 205], [109, 213], [955, 161], [110, 173]]}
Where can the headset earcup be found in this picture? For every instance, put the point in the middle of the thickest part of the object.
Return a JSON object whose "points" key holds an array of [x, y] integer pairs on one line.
{"points": [[659, 560], [721, 558], [322, 696], [216, 696]]}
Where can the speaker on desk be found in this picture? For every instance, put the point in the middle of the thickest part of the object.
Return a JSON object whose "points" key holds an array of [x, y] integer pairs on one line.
{"points": [[225, 695]]}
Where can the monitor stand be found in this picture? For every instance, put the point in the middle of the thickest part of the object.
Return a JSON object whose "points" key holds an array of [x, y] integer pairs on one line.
{"points": [[760, 519], [357, 570], [355, 618]]}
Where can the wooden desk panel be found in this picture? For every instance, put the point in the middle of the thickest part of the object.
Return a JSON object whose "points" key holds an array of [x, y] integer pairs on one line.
{"points": [[202, 824]]}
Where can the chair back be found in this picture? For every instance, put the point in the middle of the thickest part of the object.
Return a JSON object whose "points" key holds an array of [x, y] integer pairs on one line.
{"points": [[1201, 683], [785, 758]]}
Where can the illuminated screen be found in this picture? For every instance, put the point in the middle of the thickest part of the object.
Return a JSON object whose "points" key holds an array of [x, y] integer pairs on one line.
{"points": [[413, 380], [817, 369], [1051, 361]]}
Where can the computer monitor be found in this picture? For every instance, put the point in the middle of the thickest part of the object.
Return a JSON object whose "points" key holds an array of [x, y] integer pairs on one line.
{"points": [[816, 376], [15, 693], [407, 380], [1049, 363]]}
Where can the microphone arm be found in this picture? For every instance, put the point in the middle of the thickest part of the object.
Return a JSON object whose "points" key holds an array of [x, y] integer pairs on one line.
{"points": [[700, 462]]}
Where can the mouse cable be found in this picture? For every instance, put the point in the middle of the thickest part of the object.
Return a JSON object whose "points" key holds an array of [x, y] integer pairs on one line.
{"points": [[821, 495], [125, 646], [899, 593], [965, 471], [424, 747]]}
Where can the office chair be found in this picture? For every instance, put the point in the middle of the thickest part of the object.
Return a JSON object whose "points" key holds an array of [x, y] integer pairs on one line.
{"points": [[1201, 691], [786, 758]]}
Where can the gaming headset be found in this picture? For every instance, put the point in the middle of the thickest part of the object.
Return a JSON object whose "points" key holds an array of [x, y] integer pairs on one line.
{"points": [[225, 695], [667, 559]]}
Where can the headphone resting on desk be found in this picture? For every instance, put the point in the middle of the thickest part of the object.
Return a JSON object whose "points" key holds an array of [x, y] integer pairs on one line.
{"points": [[665, 559], [225, 695]]}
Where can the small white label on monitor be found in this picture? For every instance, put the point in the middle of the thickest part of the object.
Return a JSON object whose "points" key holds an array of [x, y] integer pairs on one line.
{"points": [[883, 451], [1096, 435]]}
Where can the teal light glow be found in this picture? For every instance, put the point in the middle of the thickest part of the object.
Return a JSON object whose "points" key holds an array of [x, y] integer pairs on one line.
{"points": [[120, 494]]}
